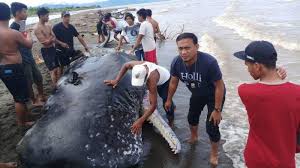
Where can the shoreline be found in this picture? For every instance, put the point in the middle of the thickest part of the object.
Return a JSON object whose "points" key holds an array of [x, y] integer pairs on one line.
{"points": [[10, 135]]}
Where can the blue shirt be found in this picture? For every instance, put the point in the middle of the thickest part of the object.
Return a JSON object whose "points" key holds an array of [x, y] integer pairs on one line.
{"points": [[26, 53], [199, 77]]}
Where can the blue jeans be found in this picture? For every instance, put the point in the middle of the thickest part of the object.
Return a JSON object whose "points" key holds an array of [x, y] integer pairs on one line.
{"points": [[140, 54]]}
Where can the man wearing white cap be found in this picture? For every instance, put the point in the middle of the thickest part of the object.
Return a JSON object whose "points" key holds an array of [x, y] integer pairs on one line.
{"points": [[157, 80]]}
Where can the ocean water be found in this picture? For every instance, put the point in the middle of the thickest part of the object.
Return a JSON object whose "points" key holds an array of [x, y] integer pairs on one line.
{"points": [[223, 27]]}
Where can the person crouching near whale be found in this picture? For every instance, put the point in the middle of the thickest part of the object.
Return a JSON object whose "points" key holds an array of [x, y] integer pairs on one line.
{"points": [[157, 80]]}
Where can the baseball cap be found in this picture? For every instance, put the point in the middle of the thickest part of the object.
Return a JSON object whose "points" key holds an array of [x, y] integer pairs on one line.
{"points": [[65, 13], [258, 51], [139, 73]]}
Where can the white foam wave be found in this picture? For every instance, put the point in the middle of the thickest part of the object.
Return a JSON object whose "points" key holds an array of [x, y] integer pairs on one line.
{"points": [[251, 30], [209, 45]]}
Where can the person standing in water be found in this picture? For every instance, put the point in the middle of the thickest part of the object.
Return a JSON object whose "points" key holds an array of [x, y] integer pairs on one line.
{"points": [[273, 108], [32, 73], [46, 37], [11, 68], [202, 76]]}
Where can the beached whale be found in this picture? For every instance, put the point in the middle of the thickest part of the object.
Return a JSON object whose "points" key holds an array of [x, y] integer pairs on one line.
{"points": [[87, 124]]}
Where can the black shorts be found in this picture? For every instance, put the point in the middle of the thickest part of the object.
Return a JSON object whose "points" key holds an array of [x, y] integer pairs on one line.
{"points": [[14, 79], [197, 103], [50, 58], [32, 73], [99, 28], [118, 31], [64, 56]]}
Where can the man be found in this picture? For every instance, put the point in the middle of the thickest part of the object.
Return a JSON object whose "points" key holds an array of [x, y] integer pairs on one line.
{"points": [[11, 69], [64, 33], [146, 37], [154, 23], [273, 108], [202, 75], [46, 37], [32, 73], [131, 31], [113, 24], [100, 27], [157, 81]]}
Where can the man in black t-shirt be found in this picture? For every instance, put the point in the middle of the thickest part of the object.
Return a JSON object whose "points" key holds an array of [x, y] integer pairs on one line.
{"points": [[65, 32], [202, 76]]}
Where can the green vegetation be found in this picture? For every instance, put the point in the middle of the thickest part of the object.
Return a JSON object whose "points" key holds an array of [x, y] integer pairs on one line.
{"points": [[32, 10]]}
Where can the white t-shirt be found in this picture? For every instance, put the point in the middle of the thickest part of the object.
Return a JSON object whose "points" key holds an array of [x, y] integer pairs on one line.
{"points": [[164, 74], [118, 24], [148, 41]]}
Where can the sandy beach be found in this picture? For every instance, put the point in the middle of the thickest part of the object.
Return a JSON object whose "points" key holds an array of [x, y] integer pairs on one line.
{"points": [[10, 135]]}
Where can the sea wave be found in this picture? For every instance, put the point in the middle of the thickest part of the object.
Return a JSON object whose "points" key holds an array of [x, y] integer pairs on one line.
{"points": [[252, 30], [209, 45]]}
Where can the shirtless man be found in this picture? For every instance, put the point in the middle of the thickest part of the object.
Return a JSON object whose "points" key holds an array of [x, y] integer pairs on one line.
{"points": [[11, 69], [47, 38], [154, 23]]}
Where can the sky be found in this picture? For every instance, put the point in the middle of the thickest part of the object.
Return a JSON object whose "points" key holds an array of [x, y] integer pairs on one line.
{"points": [[40, 2]]}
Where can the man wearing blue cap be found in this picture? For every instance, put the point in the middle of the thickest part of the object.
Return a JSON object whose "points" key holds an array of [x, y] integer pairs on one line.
{"points": [[273, 107]]}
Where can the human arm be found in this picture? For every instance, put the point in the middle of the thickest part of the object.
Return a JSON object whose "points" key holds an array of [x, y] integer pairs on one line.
{"points": [[64, 45], [152, 86], [124, 69], [24, 41], [171, 91], [120, 43], [81, 40], [137, 43], [216, 115], [281, 72], [41, 37]]}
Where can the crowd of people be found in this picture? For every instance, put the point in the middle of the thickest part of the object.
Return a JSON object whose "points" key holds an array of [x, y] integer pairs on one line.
{"points": [[272, 103]]}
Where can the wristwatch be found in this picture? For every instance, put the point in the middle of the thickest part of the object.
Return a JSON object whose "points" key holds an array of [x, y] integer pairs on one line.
{"points": [[218, 109]]}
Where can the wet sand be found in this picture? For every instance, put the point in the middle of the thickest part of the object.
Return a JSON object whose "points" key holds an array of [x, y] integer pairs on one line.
{"points": [[158, 152]]}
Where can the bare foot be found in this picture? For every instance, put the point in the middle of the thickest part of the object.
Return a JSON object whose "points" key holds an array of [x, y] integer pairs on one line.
{"points": [[193, 140], [8, 165], [214, 160], [42, 98], [171, 124], [26, 124], [38, 103]]}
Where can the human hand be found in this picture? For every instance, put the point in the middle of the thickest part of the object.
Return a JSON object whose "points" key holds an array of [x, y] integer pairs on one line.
{"points": [[216, 117], [168, 105], [281, 72], [136, 128], [64, 45], [112, 83], [87, 49]]}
